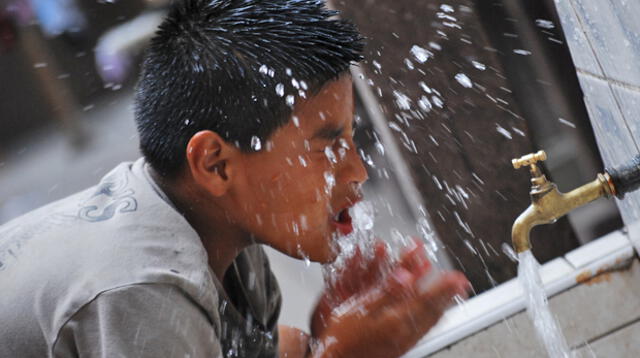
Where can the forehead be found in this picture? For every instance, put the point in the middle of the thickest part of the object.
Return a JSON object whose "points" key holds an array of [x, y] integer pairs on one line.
{"points": [[333, 104], [317, 117]]}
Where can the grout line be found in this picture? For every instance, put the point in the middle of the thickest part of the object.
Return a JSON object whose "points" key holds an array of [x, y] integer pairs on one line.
{"points": [[606, 334], [618, 83]]}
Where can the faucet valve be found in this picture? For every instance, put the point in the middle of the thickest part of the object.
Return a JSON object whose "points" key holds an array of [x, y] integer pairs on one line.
{"points": [[529, 159], [539, 182]]}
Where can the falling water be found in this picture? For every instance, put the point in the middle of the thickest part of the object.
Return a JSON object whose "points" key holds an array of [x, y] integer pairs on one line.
{"points": [[538, 309]]}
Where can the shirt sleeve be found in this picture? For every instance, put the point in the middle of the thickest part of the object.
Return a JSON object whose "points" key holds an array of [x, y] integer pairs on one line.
{"points": [[144, 320]]}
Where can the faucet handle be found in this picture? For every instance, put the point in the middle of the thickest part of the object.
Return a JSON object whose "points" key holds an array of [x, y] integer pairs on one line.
{"points": [[529, 159]]}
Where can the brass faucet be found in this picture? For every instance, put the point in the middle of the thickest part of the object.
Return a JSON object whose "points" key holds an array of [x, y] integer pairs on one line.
{"points": [[547, 203]]}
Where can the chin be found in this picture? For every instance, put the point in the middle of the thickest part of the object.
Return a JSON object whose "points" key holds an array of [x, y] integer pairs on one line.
{"points": [[324, 254]]}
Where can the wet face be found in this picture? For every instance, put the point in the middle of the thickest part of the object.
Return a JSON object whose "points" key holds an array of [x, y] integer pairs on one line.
{"points": [[295, 193]]}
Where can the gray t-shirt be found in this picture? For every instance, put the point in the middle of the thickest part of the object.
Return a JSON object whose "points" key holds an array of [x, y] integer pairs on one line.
{"points": [[116, 271]]}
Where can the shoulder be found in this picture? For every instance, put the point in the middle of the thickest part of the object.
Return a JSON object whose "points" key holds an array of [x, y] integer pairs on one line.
{"points": [[117, 234], [142, 320]]}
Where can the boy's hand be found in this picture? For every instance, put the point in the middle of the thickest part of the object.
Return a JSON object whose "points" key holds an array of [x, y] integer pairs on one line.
{"points": [[357, 275], [377, 315]]}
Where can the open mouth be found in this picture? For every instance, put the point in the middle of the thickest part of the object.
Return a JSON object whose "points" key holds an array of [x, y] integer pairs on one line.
{"points": [[342, 221]]}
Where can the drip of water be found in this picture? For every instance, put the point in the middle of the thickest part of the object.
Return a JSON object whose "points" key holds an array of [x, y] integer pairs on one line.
{"points": [[538, 309]]}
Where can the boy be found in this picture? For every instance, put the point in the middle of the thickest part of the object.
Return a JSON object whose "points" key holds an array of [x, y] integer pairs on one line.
{"points": [[244, 110]]}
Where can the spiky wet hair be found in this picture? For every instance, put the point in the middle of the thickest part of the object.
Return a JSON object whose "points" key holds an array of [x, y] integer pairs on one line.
{"points": [[229, 65]]}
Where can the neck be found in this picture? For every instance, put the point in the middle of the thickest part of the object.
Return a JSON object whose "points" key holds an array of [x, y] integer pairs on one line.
{"points": [[222, 240]]}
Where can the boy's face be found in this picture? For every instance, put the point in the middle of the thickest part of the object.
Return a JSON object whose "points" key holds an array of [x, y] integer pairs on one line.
{"points": [[294, 194]]}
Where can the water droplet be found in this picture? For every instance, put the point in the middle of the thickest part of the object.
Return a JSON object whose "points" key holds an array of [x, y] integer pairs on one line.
{"points": [[330, 155], [296, 121], [425, 87], [264, 69], [424, 104], [409, 64], [377, 65], [256, 144], [503, 131], [303, 222], [304, 86], [330, 180], [295, 83], [280, 89], [288, 72], [435, 46], [437, 101], [545, 24], [186, 122], [478, 65], [40, 65], [421, 55], [342, 153], [566, 122], [402, 101], [522, 52], [446, 8], [290, 100], [302, 161], [464, 80]]}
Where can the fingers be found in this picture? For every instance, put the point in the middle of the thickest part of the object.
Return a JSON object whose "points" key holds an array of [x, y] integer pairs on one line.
{"points": [[450, 284], [415, 259], [360, 272]]}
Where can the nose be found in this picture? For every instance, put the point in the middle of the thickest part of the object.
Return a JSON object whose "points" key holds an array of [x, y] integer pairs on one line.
{"points": [[352, 169]]}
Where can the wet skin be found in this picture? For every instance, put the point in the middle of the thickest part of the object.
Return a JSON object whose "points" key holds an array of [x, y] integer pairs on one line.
{"points": [[291, 192]]}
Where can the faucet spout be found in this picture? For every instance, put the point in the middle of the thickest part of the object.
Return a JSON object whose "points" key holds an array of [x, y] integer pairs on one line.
{"points": [[521, 229]]}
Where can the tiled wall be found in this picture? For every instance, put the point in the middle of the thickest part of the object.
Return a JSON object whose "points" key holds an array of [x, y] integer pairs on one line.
{"points": [[604, 39]]}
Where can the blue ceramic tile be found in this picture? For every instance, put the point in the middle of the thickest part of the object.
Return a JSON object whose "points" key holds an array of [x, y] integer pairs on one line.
{"points": [[613, 31], [581, 52]]}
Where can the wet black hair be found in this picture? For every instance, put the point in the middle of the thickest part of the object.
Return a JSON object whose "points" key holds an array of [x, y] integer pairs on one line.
{"points": [[235, 67]]}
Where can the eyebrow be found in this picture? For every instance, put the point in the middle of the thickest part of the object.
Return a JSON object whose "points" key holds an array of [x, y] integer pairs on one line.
{"points": [[328, 132]]}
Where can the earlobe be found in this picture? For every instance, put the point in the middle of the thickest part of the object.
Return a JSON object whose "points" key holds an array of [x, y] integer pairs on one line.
{"points": [[208, 157]]}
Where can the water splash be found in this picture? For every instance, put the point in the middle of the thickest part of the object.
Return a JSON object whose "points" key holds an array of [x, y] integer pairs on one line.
{"points": [[545, 324], [362, 238]]}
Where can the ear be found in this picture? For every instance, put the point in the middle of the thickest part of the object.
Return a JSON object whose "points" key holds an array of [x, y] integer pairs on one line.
{"points": [[211, 162]]}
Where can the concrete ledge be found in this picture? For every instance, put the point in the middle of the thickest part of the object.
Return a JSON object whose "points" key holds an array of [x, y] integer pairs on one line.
{"points": [[571, 280]]}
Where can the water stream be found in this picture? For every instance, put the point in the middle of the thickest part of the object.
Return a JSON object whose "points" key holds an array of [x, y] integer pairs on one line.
{"points": [[545, 324]]}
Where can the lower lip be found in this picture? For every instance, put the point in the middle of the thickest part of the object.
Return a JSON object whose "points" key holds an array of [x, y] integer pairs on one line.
{"points": [[345, 227]]}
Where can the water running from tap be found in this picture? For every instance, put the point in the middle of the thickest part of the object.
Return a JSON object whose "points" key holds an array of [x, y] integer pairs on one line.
{"points": [[546, 327]]}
